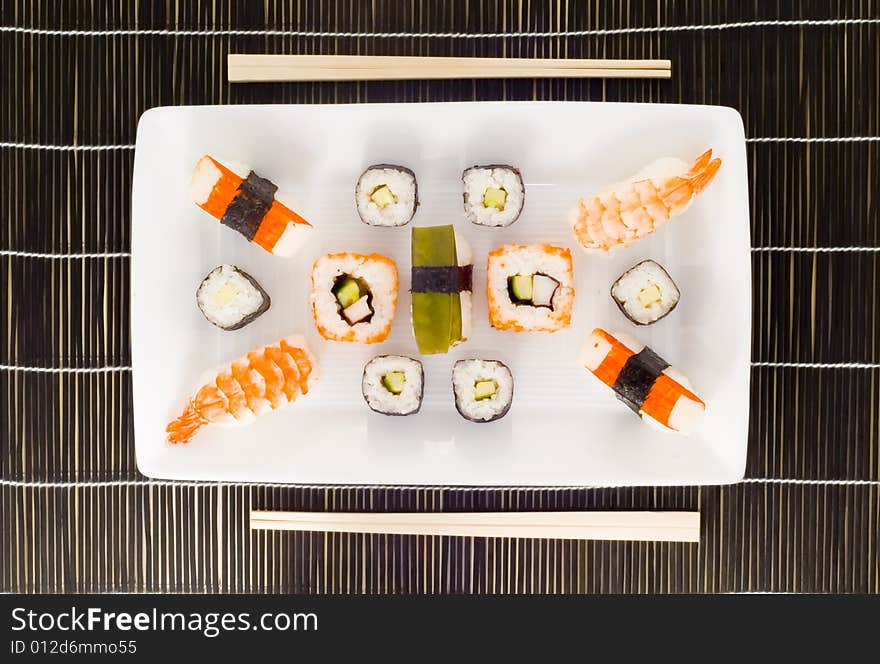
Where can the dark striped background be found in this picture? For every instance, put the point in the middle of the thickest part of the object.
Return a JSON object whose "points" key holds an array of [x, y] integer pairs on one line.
{"points": [[807, 423]]}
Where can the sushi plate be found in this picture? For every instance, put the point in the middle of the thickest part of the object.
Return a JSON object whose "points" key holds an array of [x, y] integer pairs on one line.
{"points": [[564, 427]]}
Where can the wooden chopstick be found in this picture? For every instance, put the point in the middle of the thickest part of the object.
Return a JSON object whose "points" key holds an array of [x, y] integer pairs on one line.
{"points": [[244, 68], [606, 525]]}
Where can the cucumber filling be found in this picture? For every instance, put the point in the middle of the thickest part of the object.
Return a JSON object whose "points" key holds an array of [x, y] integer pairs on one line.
{"points": [[535, 290], [650, 295], [485, 389], [382, 196], [495, 197], [353, 298], [394, 381]]}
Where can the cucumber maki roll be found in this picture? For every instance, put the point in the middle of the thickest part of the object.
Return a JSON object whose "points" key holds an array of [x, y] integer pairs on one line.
{"points": [[441, 288], [230, 298], [393, 384], [645, 293], [386, 195], [493, 195], [483, 389]]}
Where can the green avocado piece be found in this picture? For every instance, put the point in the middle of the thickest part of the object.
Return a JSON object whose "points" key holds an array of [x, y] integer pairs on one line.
{"points": [[347, 292], [521, 287], [485, 389], [495, 198], [436, 317], [382, 196], [394, 381]]}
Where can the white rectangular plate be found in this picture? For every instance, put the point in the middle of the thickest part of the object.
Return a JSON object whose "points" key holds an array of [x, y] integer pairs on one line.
{"points": [[564, 428]]}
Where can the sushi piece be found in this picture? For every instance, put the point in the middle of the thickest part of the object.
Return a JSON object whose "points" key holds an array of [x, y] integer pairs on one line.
{"points": [[267, 378], [645, 293], [530, 287], [493, 195], [393, 384], [633, 209], [230, 298], [354, 296], [442, 275], [643, 380], [483, 389], [386, 195], [249, 204]]}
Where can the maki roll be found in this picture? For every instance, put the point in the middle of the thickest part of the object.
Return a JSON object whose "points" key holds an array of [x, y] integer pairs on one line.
{"points": [[386, 195], [230, 298], [643, 380], [493, 195], [530, 287], [442, 273], [247, 203], [645, 293], [354, 296], [393, 384], [483, 389]]}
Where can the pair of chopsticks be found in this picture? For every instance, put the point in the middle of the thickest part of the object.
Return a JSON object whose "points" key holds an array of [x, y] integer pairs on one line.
{"points": [[243, 68], [627, 526]]}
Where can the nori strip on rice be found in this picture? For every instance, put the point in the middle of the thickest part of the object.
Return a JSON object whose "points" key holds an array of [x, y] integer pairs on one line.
{"points": [[254, 198], [442, 279], [637, 377]]}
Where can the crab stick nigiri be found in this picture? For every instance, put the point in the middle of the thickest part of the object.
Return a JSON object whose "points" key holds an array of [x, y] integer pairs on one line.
{"points": [[642, 380], [247, 203]]}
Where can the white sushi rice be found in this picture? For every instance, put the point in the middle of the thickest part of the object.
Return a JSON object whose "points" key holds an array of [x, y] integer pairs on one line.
{"points": [[626, 289], [525, 260], [477, 180], [465, 375], [380, 398], [226, 296], [381, 278], [402, 184]]}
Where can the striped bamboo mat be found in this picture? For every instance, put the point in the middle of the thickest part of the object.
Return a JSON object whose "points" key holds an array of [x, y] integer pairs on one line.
{"points": [[76, 516]]}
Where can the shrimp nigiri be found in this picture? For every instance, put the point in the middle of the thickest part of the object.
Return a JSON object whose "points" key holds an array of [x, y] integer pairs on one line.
{"points": [[266, 379], [633, 209]]}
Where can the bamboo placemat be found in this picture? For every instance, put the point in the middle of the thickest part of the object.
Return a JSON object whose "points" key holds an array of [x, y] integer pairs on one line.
{"points": [[77, 517]]}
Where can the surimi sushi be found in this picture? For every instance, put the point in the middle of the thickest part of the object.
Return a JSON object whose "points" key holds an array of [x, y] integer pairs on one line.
{"points": [[393, 384], [643, 381], [230, 298], [530, 287], [386, 195], [483, 389], [493, 195], [442, 275], [645, 293], [267, 378], [633, 209], [249, 204], [354, 296]]}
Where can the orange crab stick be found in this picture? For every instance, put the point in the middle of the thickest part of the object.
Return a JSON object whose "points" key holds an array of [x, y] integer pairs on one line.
{"points": [[255, 213], [642, 380]]}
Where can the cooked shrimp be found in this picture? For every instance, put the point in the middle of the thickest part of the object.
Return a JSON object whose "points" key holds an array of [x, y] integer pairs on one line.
{"points": [[266, 379], [634, 209]]}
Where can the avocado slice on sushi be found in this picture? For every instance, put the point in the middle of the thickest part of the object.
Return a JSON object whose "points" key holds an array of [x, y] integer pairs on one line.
{"points": [[439, 292]]}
